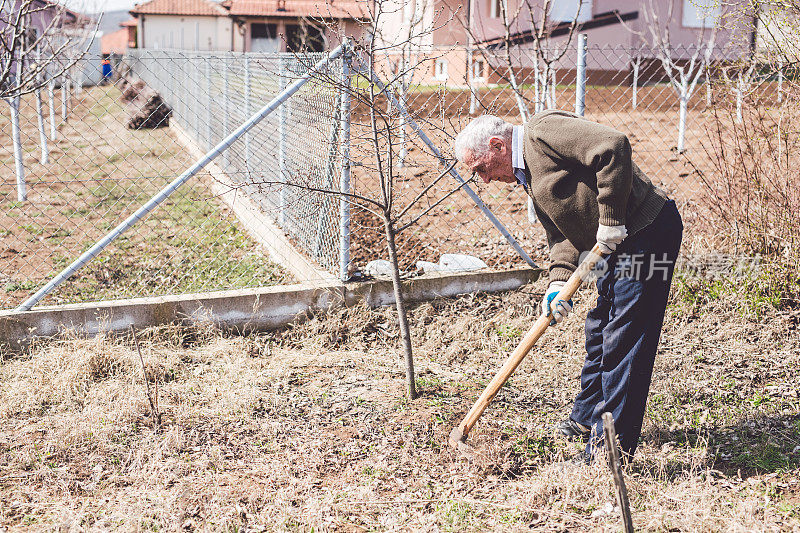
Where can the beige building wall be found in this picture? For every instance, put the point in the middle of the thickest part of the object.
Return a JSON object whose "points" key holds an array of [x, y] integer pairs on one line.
{"points": [[185, 32]]}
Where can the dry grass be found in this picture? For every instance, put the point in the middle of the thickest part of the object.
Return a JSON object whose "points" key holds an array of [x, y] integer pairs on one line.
{"points": [[307, 428]]}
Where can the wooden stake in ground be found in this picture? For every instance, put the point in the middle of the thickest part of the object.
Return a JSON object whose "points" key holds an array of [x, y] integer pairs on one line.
{"points": [[616, 471], [150, 397]]}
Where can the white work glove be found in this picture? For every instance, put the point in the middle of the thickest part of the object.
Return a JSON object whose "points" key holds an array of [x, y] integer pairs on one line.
{"points": [[560, 308], [608, 237]]}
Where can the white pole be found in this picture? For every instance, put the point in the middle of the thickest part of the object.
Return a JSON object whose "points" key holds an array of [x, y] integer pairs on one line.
{"points": [[19, 168], [682, 120], [14, 101], [45, 157], [580, 76], [282, 112], [207, 96], [64, 96], [247, 109], [225, 103], [635, 87], [344, 180], [51, 105], [401, 159]]}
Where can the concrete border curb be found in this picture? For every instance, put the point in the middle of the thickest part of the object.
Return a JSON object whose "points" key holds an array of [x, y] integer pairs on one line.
{"points": [[243, 310]]}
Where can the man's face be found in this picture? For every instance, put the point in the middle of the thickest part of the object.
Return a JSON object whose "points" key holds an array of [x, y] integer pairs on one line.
{"points": [[494, 166]]}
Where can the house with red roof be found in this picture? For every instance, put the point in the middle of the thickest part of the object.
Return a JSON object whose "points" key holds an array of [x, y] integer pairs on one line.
{"points": [[247, 25], [183, 25], [294, 25]]}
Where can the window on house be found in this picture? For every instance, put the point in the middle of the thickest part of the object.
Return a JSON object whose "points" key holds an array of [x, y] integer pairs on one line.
{"points": [[304, 38], [264, 38], [495, 8], [564, 10], [701, 13], [440, 69], [477, 69]]}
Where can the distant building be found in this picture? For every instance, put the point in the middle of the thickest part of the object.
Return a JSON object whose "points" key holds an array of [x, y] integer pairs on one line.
{"points": [[246, 25], [183, 25], [294, 25]]}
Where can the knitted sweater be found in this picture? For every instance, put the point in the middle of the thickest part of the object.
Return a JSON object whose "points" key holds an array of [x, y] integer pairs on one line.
{"points": [[580, 174]]}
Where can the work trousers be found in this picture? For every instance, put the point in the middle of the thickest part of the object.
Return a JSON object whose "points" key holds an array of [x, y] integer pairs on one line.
{"points": [[622, 331]]}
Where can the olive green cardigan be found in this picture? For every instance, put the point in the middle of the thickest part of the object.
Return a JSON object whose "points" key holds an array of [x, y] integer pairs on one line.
{"points": [[580, 174]]}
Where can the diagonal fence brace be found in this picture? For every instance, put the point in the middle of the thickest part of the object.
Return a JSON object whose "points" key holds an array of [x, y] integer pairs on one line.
{"points": [[162, 195], [373, 77]]}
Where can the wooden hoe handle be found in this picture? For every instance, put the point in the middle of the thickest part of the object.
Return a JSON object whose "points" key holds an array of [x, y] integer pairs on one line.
{"points": [[460, 432]]}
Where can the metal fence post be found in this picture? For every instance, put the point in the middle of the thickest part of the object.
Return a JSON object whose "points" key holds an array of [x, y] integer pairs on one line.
{"points": [[225, 103], [207, 96], [282, 112], [580, 77], [246, 108], [170, 188], [344, 181]]}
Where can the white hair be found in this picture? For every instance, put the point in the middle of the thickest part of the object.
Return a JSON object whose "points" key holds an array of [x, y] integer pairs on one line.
{"points": [[475, 137]]}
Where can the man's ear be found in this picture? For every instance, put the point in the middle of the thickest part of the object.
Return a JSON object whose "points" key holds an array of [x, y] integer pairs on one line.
{"points": [[496, 143]]}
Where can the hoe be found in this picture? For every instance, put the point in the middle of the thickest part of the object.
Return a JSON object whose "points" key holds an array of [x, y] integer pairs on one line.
{"points": [[459, 434]]}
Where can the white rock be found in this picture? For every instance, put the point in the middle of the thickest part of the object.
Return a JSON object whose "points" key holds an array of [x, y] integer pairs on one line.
{"points": [[379, 268], [427, 266], [460, 262]]}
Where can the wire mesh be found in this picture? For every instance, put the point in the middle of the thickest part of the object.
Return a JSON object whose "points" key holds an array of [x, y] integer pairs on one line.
{"points": [[100, 170]]}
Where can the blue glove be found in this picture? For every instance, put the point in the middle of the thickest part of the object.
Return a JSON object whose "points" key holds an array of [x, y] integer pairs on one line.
{"points": [[560, 308]]}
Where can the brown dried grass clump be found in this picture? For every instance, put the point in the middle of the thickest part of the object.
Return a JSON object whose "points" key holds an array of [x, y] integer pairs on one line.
{"points": [[308, 427]]}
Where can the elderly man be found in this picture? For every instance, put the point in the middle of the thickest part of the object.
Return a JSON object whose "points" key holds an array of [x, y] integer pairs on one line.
{"points": [[586, 189]]}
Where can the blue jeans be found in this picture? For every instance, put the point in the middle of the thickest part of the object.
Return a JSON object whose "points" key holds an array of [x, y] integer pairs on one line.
{"points": [[622, 331]]}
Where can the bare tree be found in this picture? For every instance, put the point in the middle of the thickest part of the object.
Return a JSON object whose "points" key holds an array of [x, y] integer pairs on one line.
{"points": [[683, 75], [40, 41], [379, 128], [547, 51]]}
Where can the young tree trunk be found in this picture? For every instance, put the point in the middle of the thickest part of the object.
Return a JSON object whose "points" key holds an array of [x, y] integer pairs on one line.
{"points": [[51, 107], [739, 97], [523, 111], [16, 139], [402, 318], [473, 100], [45, 158], [682, 123], [64, 98], [635, 84]]}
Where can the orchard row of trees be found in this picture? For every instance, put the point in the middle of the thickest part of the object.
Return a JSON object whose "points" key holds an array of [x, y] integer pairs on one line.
{"points": [[41, 47]]}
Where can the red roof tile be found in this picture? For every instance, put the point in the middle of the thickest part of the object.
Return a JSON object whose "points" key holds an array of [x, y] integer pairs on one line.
{"points": [[298, 8], [180, 7], [114, 42], [128, 23]]}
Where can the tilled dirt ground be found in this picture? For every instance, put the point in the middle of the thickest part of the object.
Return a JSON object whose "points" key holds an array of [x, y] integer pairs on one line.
{"points": [[307, 428]]}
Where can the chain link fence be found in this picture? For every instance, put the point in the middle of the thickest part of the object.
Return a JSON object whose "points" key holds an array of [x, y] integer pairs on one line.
{"points": [[102, 166]]}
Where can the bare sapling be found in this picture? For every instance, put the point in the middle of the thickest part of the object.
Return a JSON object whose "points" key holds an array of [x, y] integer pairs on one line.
{"points": [[378, 126], [683, 74], [152, 394]]}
